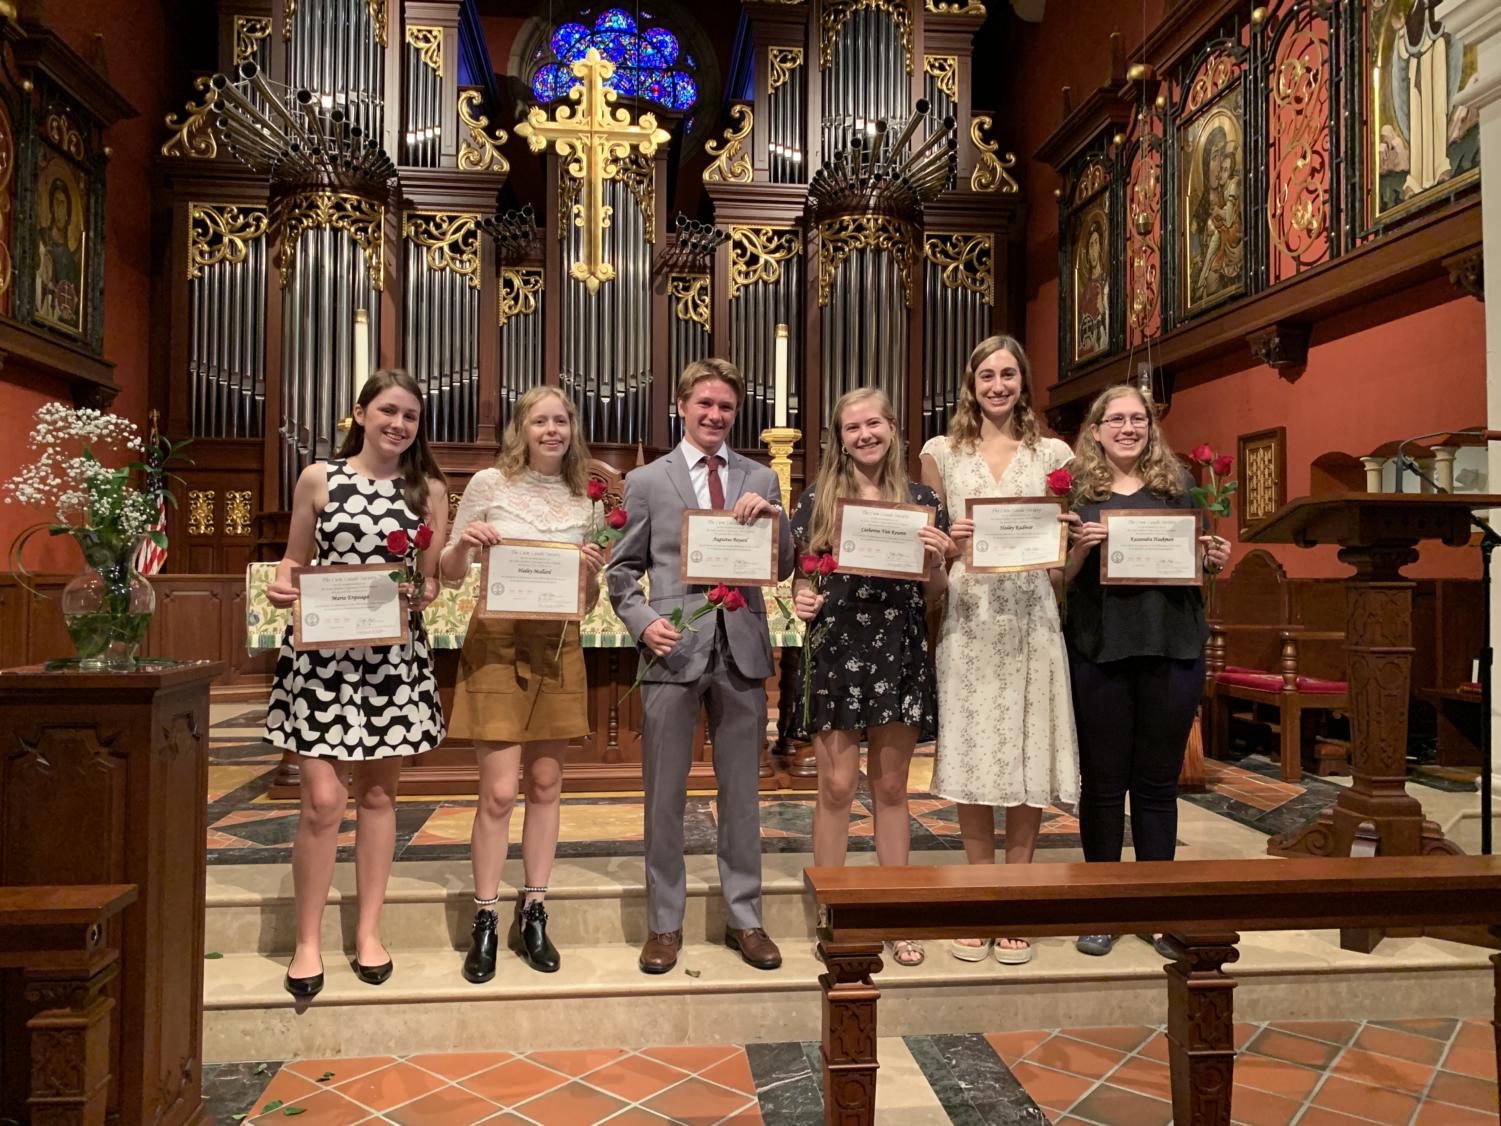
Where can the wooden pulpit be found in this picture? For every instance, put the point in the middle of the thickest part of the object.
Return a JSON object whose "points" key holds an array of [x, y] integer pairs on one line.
{"points": [[1377, 534]]}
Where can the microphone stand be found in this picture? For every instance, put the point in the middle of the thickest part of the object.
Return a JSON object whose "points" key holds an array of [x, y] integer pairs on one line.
{"points": [[1488, 541]]}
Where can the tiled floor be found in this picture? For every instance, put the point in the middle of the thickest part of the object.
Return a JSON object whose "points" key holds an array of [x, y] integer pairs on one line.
{"points": [[1289, 1073]]}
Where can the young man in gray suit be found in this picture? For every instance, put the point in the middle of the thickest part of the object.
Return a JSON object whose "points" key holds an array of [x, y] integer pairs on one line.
{"points": [[722, 666]]}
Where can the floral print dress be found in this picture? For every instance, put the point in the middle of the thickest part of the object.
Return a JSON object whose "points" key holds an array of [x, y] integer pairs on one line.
{"points": [[872, 665]]}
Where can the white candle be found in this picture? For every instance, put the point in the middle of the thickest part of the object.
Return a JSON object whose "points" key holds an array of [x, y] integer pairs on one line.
{"points": [[779, 377], [361, 351]]}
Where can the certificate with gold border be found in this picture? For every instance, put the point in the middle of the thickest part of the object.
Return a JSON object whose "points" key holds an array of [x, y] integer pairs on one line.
{"points": [[1015, 534], [717, 548], [1151, 547], [879, 537], [535, 579], [348, 606]]}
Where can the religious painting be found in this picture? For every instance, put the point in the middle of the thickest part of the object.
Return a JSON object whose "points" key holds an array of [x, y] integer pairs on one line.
{"points": [[61, 246], [1091, 272], [1211, 175], [1422, 138]]}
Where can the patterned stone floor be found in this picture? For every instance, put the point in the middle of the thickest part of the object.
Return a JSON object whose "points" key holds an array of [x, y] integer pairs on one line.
{"points": [[1308, 1073]]}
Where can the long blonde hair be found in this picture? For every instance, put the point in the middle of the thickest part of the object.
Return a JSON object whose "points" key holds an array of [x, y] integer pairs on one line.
{"points": [[836, 468], [513, 450], [1157, 465], [964, 426]]}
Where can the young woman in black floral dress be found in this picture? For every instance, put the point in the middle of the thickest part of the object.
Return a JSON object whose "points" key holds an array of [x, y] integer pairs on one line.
{"points": [[872, 674]]}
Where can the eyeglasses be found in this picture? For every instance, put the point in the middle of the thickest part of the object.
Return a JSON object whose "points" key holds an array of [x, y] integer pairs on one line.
{"points": [[1116, 421]]}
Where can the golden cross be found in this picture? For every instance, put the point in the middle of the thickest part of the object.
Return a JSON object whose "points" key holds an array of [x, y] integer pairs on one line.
{"points": [[593, 138]]}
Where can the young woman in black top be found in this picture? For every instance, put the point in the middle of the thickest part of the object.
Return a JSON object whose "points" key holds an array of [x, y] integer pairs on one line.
{"points": [[1136, 653]]}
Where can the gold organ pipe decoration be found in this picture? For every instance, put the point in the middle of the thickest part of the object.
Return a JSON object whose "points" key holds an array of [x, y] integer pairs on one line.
{"points": [[200, 512], [518, 292], [639, 174], [428, 43], [966, 261], [193, 134], [957, 7], [479, 151], [237, 512], [378, 19], [451, 242], [731, 163], [592, 138], [288, 14], [780, 63], [836, 14], [221, 233], [945, 68], [757, 254], [362, 219], [691, 294], [249, 31], [837, 238], [991, 172]]}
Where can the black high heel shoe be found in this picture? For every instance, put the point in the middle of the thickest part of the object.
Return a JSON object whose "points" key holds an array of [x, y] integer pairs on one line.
{"points": [[303, 988], [479, 963], [373, 975], [529, 939]]}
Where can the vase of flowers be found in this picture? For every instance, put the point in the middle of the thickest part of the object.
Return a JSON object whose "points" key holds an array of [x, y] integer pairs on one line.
{"points": [[111, 512]]}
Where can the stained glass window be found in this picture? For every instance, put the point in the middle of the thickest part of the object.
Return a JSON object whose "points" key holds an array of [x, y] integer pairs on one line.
{"points": [[647, 62]]}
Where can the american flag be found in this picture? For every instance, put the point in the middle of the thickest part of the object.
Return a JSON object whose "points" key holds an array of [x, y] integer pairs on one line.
{"points": [[149, 558]]}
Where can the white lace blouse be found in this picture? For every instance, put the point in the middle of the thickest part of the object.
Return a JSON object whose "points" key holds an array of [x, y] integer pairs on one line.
{"points": [[529, 506]]}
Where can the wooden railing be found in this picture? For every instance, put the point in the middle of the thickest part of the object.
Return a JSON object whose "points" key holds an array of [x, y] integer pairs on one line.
{"points": [[1201, 905]]}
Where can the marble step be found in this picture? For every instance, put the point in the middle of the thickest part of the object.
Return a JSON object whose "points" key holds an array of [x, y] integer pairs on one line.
{"points": [[600, 997]]}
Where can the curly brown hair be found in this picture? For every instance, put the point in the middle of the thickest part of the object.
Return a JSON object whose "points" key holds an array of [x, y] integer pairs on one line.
{"points": [[513, 449], [1158, 466], [964, 426]]}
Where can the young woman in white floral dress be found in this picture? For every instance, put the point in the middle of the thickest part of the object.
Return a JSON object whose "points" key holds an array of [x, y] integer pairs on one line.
{"points": [[1005, 714], [521, 695]]}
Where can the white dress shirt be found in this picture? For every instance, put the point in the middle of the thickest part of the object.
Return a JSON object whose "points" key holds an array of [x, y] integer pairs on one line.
{"points": [[698, 471]]}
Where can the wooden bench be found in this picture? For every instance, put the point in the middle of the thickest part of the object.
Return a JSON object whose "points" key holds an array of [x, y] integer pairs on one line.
{"points": [[1200, 905], [55, 937]]}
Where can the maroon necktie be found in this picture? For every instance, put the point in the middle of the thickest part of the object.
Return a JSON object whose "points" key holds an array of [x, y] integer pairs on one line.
{"points": [[716, 486]]}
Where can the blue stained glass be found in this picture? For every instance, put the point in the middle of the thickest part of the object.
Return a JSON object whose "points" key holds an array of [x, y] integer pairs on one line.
{"points": [[564, 39], [615, 19], [664, 42], [644, 60], [689, 61]]}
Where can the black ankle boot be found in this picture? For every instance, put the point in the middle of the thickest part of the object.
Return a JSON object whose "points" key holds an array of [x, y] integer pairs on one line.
{"points": [[479, 963], [529, 937]]}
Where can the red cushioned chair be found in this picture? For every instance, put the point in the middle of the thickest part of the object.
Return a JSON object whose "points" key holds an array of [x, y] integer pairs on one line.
{"points": [[1257, 655]]}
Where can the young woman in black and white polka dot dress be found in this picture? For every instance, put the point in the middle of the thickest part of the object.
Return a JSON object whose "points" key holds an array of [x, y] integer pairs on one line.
{"points": [[363, 710]]}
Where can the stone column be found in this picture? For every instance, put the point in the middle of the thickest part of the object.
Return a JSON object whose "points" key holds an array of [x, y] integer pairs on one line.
{"points": [[1443, 466], [1373, 469], [1478, 24]]}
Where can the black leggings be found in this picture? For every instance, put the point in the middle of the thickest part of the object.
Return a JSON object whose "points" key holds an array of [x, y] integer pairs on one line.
{"points": [[1133, 716]]}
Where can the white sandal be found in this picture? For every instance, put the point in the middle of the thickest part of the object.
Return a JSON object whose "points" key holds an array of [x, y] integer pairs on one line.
{"points": [[1007, 956], [911, 948], [970, 953]]}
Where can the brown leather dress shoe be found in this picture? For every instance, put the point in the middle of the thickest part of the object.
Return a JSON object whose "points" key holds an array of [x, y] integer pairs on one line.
{"points": [[755, 947], [660, 953]]}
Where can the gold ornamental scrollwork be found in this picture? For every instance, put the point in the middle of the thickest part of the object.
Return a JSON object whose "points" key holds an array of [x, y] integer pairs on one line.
{"points": [[288, 14], [221, 233], [836, 14], [1091, 180], [377, 10], [480, 150], [838, 238], [428, 43], [691, 292], [200, 512], [237, 512], [967, 261], [518, 292], [1218, 71], [249, 31], [61, 131], [731, 163], [780, 63], [192, 135], [361, 218], [992, 172], [1298, 203], [450, 242], [757, 254], [945, 68], [639, 174], [956, 7]]}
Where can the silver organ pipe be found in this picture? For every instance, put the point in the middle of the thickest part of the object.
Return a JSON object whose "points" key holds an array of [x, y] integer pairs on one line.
{"points": [[864, 330], [334, 53], [754, 315], [520, 316], [422, 97], [866, 80], [226, 326]]}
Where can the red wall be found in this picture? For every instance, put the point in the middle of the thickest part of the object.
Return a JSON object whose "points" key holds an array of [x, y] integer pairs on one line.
{"points": [[1412, 363], [137, 54]]}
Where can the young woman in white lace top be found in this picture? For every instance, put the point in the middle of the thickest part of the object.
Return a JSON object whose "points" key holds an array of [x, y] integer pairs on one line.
{"points": [[518, 697]]}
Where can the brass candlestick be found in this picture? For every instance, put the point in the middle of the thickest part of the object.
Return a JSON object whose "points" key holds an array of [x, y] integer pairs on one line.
{"points": [[801, 765], [780, 440]]}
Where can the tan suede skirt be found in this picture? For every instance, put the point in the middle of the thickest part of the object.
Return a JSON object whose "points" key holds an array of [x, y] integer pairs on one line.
{"points": [[514, 686]]}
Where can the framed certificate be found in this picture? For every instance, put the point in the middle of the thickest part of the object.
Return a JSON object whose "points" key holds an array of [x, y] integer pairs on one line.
{"points": [[348, 606], [1151, 546], [532, 579], [716, 548], [879, 537], [1015, 534]]}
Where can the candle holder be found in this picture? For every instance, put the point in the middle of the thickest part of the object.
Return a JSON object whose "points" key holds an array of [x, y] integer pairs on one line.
{"points": [[780, 440], [797, 757]]}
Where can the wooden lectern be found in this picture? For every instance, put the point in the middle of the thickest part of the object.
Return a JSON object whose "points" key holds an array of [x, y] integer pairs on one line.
{"points": [[1377, 534]]}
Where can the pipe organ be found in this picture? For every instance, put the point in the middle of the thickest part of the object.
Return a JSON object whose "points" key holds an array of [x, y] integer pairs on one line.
{"points": [[340, 187]]}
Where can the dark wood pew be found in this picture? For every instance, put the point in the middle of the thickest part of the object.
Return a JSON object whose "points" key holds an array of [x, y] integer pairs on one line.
{"points": [[55, 937], [1201, 905]]}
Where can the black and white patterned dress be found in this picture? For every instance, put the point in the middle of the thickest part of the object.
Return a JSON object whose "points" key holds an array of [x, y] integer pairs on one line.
{"points": [[370, 702]]}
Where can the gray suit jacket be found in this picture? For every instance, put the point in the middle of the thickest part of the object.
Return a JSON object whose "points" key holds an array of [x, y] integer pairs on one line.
{"points": [[655, 497]]}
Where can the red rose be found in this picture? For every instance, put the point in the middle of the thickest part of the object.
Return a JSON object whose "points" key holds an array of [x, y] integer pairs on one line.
{"points": [[1060, 482], [397, 542], [734, 600], [808, 564], [828, 565], [596, 489], [1223, 464], [617, 518], [717, 594], [424, 537], [1203, 454]]}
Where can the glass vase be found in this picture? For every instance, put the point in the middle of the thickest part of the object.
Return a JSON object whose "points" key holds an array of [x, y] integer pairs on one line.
{"points": [[108, 606]]}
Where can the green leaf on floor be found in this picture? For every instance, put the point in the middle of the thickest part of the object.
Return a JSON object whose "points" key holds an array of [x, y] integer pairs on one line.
{"points": [[274, 1104], [325, 1077], [693, 973], [212, 954], [291, 1110], [238, 1117], [260, 1069]]}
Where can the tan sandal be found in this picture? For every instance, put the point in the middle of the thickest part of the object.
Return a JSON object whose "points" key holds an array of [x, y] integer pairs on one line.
{"points": [[1013, 956], [970, 953], [907, 952]]}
